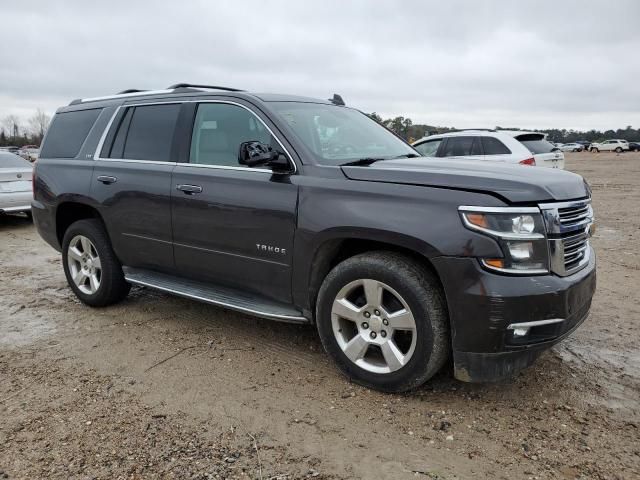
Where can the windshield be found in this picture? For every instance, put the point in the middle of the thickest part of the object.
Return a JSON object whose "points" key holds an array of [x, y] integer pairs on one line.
{"points": [[337, 135]]}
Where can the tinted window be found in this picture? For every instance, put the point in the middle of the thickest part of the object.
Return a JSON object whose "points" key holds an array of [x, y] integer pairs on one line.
{"points": [[462, 147], [493, 146], [218, 131], [9, 160], [429, 148], [150, 133], [68, 132], [536, 143], [117, 148]]}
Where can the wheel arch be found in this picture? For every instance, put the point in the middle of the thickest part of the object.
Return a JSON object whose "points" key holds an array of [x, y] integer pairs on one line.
{"points": [[69, 212], [335, 248]]}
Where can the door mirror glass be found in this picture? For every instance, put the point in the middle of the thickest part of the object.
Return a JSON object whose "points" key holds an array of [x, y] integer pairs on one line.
{"points": [[256, 153]]}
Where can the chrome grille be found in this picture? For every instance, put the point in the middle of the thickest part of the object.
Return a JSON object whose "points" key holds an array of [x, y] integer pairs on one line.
{"points": [[568, 229]]}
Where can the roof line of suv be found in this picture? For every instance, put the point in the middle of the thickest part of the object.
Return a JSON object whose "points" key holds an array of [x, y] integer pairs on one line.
{"points": [[132, 92], [189, 88]]}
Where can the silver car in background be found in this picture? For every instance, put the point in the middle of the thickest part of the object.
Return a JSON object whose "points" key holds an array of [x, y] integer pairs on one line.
{"points": [[15, 184]]}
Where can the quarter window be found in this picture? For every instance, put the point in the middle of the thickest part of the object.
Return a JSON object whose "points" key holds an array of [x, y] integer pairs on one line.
{"points": [[218, 131], [429, 148], [68, 132], [493, 146]]}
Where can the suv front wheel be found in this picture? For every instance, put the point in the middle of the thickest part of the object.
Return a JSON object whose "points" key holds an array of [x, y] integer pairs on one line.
{"points": [[90, 265], [383, 320]]}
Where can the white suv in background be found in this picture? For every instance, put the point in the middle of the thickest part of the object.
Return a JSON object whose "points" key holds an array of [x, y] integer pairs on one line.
{"points": [[509, 146], [610, 146]]}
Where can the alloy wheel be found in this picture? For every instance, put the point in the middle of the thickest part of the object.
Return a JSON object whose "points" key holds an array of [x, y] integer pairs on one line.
{"points": [[374, 326], [84, 264]]}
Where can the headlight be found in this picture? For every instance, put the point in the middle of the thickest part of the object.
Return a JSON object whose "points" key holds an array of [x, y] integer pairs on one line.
{"points": [[520, 233]]}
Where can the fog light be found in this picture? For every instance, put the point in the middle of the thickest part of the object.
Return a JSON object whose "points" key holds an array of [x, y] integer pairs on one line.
{"points": [[520, 250], [520, 332]]}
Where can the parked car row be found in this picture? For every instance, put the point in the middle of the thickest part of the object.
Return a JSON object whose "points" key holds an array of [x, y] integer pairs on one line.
{"points": [[15, 184], [28, 152]]}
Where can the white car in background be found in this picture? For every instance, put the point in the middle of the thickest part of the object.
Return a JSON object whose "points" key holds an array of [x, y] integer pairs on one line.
{"points": [[571, 147], [15, 184], [610, 146], [509, 146]]}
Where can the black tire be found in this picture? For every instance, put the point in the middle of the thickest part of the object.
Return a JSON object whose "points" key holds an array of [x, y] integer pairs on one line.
{"points": [[422, 293], [113, 287], [618, 150], [593, 149]]}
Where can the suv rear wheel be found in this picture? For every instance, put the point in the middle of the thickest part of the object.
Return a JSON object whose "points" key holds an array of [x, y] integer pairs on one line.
{"points": [[92, 269], [383, 320], [618, 149]]}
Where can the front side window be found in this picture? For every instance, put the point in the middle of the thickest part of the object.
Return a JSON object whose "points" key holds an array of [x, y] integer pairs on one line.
{"points": [[462, 147], [429, 148], [337, 135], [218, 131]]}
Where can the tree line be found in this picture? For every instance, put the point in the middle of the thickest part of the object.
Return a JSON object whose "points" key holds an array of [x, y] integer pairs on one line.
{"points": [[405, 128], [13, 132]]}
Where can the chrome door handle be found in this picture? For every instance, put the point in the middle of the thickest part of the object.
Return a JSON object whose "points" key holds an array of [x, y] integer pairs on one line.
{"points": [[189, 189], [107, 179]]}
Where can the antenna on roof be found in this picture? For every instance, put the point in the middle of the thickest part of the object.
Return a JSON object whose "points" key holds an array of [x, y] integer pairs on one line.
{"points": [[212, 87], [337, 100]]}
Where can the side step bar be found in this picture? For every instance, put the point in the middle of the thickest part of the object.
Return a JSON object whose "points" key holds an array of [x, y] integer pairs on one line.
{"points": [[216, 295]]}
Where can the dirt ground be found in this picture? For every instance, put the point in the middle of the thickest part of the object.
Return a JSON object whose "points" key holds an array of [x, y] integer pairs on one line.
{"points": [[163, 387]]}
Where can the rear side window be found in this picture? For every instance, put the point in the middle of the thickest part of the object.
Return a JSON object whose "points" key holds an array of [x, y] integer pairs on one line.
{"points": [[146, 133], [68, 132], [536, 143], [493, 146], [462, 147], [429, 149]]}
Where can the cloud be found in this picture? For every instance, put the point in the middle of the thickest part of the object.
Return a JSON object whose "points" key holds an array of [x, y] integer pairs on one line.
{"points": [[542, 64]]}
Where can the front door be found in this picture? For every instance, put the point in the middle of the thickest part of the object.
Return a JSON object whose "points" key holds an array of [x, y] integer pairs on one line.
{"points": [[233, 225]]}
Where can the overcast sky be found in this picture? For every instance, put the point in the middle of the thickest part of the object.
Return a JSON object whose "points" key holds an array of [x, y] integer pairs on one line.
{"points": [[566, 64]]}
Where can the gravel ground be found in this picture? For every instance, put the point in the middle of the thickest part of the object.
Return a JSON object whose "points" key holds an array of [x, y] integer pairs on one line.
{"points": [[162, 387]]}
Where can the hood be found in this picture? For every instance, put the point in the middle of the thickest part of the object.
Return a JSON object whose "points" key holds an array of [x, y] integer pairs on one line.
{"points": [[515, 183]]}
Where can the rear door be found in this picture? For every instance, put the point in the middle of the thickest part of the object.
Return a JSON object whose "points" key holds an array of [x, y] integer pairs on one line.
{"points": [[233, 225], [467, 147], [132, 183]]}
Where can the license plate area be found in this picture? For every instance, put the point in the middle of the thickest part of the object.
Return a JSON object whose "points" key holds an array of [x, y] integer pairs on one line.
{"points": [[15, 186]]}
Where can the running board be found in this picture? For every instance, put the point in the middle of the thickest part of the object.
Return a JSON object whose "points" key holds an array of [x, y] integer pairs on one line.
{"points": [[221, 296]]}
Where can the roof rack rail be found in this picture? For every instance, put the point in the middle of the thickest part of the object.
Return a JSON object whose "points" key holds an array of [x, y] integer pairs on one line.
{"points": [[212, 87], [130, 90], [471, 129]]}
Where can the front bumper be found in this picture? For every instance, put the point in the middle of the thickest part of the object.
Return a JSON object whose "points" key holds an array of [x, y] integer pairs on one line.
{"points": [[483, 305]]}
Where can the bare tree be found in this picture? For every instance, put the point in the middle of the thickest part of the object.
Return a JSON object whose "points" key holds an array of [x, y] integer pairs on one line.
{"points": [[38, 124], [12, 124]]}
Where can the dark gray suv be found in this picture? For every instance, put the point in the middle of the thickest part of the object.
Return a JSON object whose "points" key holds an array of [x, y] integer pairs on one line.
{"points": [[308, 211]]}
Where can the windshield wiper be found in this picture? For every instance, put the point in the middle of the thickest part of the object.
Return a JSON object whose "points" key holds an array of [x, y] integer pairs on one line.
{"points": [[408, 155], [362, 162]]}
